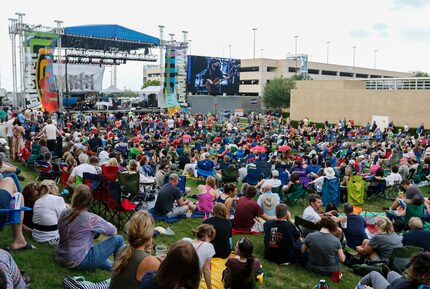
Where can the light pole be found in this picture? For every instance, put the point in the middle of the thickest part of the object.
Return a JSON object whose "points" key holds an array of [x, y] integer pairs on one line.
{"points": [[353, 55], [295, 50], [328, 49], [161, 56], [229, 51], [189, 41], [255, 30], [374, 58], [261, 51]]}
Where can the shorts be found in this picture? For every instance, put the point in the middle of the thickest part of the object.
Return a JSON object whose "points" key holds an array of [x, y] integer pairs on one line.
{"points": [[5, 198], [177, 211]]}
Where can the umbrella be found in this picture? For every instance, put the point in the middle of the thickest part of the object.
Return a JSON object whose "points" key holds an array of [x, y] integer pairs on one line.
{"points": [[284, 148], [258, 149]]}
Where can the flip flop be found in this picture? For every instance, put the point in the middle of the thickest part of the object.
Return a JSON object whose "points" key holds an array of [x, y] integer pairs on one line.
{"points": [[25, 248]]}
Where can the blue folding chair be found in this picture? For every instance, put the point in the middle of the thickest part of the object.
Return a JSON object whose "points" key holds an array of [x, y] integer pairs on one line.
{"points": [[252, 177], [331, 192], [205, 168]]}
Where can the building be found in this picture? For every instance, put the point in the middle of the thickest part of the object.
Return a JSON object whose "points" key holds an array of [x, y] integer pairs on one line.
{"points": [[255, 73], [402, 100]]}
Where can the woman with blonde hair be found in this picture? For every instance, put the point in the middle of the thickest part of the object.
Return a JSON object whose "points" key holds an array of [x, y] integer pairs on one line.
{"points": [[204, 234], [207, 195], [46, 212], [381, 245], [135, 259]]}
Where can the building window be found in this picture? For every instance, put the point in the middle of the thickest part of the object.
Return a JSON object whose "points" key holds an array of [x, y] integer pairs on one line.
{"points": [[360, 75], [271, 69], [249, 69], [249, 82], [329, 72], [292, 69], [375, 76], [313, 71], [346, 74]]}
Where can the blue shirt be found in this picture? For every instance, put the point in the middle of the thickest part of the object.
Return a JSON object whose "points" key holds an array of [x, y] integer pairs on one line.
{"points": [[417, 237], [354, 231]]}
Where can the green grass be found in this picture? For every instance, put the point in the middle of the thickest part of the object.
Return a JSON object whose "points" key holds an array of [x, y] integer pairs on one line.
{"points": [[45, 273]]}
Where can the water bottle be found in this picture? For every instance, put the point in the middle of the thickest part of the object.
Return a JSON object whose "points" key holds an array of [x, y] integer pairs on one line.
{"points": [[12, 203], [323, 285]]}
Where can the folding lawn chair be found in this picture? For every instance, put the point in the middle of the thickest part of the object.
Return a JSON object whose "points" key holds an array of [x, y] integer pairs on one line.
{"points": [[96, 185], [331, 192], [253, 176], [305, 227], [356, 190], [296, 194], [265, 168]]}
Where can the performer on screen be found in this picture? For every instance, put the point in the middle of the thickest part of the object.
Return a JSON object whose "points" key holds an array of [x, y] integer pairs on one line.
{"points": [[213, 77]]}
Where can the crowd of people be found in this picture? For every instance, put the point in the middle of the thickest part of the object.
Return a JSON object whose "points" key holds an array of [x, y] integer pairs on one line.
{"points": [[252, 168]]}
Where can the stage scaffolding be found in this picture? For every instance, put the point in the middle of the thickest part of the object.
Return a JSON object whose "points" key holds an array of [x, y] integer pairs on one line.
{"points": [[112, 52]]}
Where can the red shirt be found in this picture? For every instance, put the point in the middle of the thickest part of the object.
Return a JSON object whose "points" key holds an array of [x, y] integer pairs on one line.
{"points": [[247, 209]]}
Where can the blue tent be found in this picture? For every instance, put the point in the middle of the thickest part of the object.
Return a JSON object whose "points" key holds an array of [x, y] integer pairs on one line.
{"points": [[104, 37]]}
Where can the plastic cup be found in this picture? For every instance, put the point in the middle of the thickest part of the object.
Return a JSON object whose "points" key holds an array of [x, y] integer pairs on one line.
{"points": [[160, 250], [343, 224]]}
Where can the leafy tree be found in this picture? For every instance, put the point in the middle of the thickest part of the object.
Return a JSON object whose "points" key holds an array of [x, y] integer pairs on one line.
{"points": [[421, 74], [129, 93], [277, 92], [154, 82]]}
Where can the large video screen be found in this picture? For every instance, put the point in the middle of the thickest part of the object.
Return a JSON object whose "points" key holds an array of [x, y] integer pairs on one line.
{"points": [[213, 75]]}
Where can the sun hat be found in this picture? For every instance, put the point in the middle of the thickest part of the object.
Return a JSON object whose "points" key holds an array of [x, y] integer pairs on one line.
{"points": [[269, 202], [329, 172]]}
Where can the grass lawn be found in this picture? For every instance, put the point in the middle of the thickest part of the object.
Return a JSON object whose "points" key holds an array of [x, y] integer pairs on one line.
{"points": [[46, 274]]}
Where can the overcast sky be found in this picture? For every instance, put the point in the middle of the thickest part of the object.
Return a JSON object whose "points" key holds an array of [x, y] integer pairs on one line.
{"points": [[398, 29]]}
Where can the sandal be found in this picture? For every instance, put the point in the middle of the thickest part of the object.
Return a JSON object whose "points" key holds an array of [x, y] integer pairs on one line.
{"points": [[25, 248]]}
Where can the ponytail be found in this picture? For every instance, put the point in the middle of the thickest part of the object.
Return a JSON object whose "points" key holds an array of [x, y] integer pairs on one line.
{"points": [[123, 259]]}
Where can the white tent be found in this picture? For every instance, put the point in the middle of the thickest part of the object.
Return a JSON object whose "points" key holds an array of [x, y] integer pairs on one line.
{"points": [[157, 90], [112, 89]]}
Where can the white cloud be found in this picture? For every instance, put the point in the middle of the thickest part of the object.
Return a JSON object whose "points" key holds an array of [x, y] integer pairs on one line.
{"points": [[381, 29], [416, 34], [359, 33], [398, 4]]}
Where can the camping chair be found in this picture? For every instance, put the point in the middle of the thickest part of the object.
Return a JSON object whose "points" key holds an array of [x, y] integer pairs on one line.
{"points": [[117, 207], [45, 171], [230, 174], [35, 153], [12, 216], [392, 192], [133, 154], [205, 168], [95, 183], [401, 257], [129, 184], [253, 176], [265, 168], [414, 211], [280, 193], [305, 227], [123, 150], [110, 173], [284, 178], [355, 189], [376, 188], [297, 193], [331, 192]]}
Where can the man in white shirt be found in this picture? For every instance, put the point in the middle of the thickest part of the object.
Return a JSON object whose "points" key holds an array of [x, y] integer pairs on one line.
{"points": [[51, 131], [79, 171], [312, 215]]}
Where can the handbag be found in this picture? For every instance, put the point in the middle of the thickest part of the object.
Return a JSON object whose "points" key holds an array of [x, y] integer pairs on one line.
{"points": [[78, 282]]}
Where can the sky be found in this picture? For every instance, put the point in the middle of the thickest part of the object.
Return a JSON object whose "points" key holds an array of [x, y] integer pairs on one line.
{"points": [[398, 29]]}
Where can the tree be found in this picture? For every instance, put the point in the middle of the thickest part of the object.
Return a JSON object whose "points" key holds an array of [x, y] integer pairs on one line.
{"points": [[154, 82], [277, 92], [421, 74]]}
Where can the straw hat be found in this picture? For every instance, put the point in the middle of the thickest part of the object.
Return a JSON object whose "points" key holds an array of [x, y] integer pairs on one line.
{"points": [[269, 202], [329, 172]]}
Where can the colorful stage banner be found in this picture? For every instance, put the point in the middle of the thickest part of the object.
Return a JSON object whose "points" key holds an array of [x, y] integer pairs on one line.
{"points": [[170, 85], [39, 81]]}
